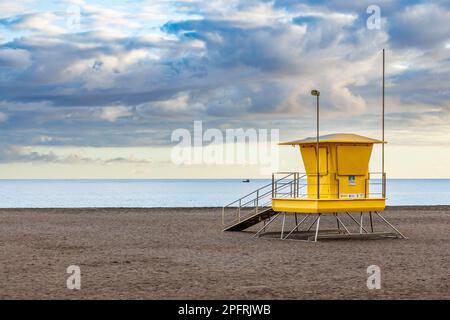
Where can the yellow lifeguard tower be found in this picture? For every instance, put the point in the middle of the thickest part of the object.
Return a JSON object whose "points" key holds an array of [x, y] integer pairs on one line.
{"points": [[337, 184], [342, 187], [343, 179]]}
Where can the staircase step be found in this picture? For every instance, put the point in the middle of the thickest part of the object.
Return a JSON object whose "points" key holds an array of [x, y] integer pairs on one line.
{"points": [[251, 220]]}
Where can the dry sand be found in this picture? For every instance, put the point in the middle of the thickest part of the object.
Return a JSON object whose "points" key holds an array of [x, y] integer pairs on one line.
{"points": [[182, 254]]}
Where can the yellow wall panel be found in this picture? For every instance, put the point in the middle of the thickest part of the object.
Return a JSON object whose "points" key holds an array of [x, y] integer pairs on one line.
{"points": [[353, 160], [309, 159]]}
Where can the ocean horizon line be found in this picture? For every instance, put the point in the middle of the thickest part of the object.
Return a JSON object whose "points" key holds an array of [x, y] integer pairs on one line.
{"points": [[173, 179]]}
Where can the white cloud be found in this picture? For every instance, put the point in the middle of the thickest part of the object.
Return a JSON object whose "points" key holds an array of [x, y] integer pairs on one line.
{"points": [[423, 25], [72, 155], [176, 104], [3, 117], [14, 58], [113, 113], [42, 22], [246, 60], [11, 8]]}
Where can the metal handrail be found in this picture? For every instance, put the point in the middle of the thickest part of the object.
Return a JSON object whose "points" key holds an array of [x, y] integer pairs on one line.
{"points": [[265, 186], [270, 191], [288, 184], [258, 195]]}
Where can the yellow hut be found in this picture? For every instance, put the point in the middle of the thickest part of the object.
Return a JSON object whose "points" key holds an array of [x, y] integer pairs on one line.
{"points": [[343, 179]]}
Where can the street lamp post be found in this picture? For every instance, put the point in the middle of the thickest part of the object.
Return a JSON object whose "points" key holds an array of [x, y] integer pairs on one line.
{"points": [[317, 94]]}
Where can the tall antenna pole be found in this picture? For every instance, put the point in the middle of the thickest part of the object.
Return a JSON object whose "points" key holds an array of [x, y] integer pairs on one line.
{"points": [[318, 150], [317, 94], [382, 136]]}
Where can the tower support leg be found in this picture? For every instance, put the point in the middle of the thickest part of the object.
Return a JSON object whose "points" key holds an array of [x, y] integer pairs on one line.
{"points": [[371, 222], [342, 232], [296, 227], [312, 224], [360, 225], [343, 225], [337, 222], [390, 225], [266, 225], [317, 228], [282, 226]]}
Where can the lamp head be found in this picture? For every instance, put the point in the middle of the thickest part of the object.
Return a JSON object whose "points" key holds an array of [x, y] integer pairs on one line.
{"points": [[315, 93]]}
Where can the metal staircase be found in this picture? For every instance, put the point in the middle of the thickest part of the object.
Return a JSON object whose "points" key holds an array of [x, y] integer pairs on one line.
{"points": [[251, 220], [256, 206]]}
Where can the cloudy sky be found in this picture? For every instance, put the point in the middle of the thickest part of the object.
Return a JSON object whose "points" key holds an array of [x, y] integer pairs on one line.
{"points": [[95, 89]]}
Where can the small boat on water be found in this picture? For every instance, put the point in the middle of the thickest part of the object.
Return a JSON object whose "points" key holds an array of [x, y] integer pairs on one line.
{"points": [[246, 180]]}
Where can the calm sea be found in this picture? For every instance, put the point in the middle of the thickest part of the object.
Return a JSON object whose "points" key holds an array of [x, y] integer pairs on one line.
{"points": [[179, 193]]}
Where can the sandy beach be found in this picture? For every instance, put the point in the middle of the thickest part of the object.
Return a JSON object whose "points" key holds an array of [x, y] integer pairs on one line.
{"points": [[183, 254]]}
